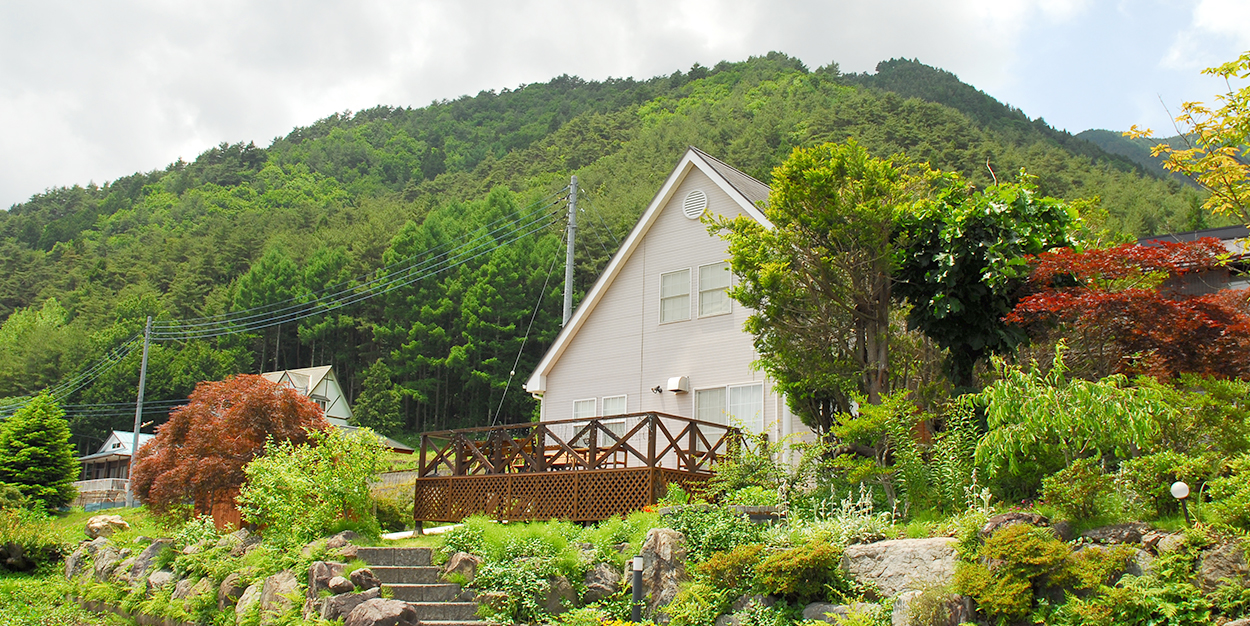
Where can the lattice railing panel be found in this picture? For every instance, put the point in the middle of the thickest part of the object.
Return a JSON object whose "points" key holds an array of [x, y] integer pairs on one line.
{"points": [[544, 496], [613, 492], [478, 494], [431, 499]]}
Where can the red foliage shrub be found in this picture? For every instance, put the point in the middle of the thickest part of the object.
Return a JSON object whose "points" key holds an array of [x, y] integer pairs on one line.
{"points": [[200, 452], [1129, 297]]}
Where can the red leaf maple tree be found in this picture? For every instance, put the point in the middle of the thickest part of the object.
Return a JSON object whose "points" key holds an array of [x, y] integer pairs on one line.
{"points": [[1132, 299], [199, 454]]}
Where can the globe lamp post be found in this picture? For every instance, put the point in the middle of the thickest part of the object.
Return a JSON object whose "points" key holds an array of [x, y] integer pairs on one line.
{"points": [[1180, 491]]}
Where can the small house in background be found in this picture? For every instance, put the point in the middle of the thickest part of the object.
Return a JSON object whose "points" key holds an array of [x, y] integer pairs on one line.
{"points": [[1232, 276], [106, 472], [321, 386]]}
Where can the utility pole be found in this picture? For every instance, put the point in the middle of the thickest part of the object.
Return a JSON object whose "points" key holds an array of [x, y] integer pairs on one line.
{"points": [[134, 441], [568, 254]]}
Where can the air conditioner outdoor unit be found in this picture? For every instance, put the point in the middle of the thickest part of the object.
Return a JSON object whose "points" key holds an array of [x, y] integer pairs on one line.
{"points": [[679, 384]]}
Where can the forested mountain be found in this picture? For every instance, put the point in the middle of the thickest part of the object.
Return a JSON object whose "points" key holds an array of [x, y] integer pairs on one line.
{"points": [[355, 197]]}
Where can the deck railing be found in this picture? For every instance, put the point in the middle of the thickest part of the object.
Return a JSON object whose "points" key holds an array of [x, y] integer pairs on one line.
{"points": [[585, 469]]}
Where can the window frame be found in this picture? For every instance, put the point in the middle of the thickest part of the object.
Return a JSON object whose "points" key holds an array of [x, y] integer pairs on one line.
{"points": [[729, 306], [686, 295], [594, 411]]}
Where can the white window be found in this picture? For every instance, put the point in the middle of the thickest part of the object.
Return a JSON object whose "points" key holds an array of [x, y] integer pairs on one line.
{"points": [[675, 296], [710, 405], [584, 409], [613, 405], [746, 406], [714, 282]]}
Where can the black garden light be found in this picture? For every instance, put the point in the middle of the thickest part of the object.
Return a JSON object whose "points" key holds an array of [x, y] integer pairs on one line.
{"points": [[636, 610], [1180, 491]]}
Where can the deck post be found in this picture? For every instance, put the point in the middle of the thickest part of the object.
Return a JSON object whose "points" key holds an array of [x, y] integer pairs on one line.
{"points": [[540, 447]]}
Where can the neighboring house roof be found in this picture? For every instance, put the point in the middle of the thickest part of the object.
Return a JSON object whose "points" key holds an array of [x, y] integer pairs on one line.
{"points": [[747, 192], [303, 379], [1233, 237], [107, 449]]}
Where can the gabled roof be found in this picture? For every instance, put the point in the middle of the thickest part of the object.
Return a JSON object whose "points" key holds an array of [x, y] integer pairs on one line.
{"points": [[304, 379], [124, 437], [747, 192]]}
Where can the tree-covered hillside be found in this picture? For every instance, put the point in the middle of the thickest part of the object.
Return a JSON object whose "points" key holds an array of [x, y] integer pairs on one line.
{"points": [[357, 197]]}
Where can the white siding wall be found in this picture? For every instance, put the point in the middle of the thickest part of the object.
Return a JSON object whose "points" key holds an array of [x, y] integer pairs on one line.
{"points": [[623, 349]]}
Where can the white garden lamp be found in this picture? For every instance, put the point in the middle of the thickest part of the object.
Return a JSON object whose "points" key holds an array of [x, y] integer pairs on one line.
{"points": [[1180, 491]]}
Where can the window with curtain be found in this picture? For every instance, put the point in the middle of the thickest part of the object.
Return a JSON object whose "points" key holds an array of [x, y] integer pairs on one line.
{"points": [[714, 281], [675, 296]]}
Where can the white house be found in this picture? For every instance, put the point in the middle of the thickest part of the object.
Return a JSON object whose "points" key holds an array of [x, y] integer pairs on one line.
{"points": [[106, 471], [657, 332], [320, 386]]}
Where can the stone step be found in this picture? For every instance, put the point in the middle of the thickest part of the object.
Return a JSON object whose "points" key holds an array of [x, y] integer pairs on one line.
{"points": [[407, 557], [406, 575], [424, 593], [431, 612]]}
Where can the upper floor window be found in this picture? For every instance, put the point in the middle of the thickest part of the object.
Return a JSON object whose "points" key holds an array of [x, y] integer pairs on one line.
{"points": [[583, 409], [613, 405], [733, 405], [675, 296], [714, 283]]}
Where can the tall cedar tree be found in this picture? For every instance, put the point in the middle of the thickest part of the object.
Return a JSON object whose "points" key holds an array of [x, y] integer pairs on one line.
{"points": [[200, 452], [378, 405], [35, 453], [1127, 302]]}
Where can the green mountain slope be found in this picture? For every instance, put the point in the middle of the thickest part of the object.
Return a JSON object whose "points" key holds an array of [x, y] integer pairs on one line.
{"points": [[242, 226]]}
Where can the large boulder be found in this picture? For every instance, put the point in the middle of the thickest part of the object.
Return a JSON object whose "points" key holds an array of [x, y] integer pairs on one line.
{"points": [[601, 581], [364, 578], [560, 595], [319, 575], [382, 612], [664, 568], [462, 565], [1223, 564], [341, 539], [249, 599], [160, 579], [901, 564], [82, 558], [146, 561], [233, 539], [105, 526], [836, 613], [1130, 533], [230, 590], [106, 560], [275, 595], [340, 606], [185, 589], [338, 584]]}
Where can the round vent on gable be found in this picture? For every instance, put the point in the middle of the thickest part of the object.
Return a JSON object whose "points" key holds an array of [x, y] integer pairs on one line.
{"points": [[695, 204]]}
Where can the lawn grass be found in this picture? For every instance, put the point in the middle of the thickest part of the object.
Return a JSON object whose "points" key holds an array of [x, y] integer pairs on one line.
{"points": [[38, 599]]}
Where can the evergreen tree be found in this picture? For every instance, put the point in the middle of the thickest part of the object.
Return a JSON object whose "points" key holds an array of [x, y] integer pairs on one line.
{"points": [[378, 405], [36, 455]]}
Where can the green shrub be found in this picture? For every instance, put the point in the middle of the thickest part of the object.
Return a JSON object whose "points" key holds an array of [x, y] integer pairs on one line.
{"points": [[1230, 495], [12, 498], [712, 530], [803, 574], [1079, 490], [610, 533], [697, 604], [523, 585], [196, 530], [753, 496], [549, 542], [732, 571], [1136, 601], [391, 517], [1147, 478], [1011, 560], [675, 495], [29, 538]]}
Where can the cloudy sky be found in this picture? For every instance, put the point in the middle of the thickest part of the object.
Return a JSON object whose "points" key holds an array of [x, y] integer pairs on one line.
{"points": [[90, 91]]}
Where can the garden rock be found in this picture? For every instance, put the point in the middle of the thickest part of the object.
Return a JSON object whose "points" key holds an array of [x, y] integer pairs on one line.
{"points": [[833, 613], [142, 539], [341, 539], [348, 552], [274, 592], [1012, 518], [235, 538], [122, 573], [745, 602], [105, 561], [159, 579], [901, 564], [340, 606], [1161, 542], [246, 545], [338, 584], [1222, 564], [83, 557], [186, 589], [250, 597], [192, 549], [621, 548], [1238, 622], [1117, 533], [146, 559], [319, 575], [462, 564], [1063, 531], [1142, 563], [231, 590], [601, 581], [105, 526], [664, 568], [953, 610], [560, 595], [495, 600], [382, 612], [364, 578]]}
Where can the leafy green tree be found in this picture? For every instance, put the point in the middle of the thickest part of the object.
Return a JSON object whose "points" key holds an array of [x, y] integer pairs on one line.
{"points": [[378, 406], [271, 285], [961, 263], [819, 279], [36, 455]]}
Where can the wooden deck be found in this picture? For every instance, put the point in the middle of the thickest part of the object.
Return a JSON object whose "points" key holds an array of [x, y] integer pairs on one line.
{"points": [[581, 470]]}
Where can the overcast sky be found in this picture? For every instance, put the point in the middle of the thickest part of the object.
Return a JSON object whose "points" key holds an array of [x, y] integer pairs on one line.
{"points": [[90, 90]]}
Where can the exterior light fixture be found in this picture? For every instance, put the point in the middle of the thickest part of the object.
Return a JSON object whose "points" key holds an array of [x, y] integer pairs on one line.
{"points": [[657, 389], [1180, 491], [635, 614]]}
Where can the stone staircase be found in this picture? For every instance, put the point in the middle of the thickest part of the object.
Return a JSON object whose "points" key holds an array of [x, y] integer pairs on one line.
{"points": [[410, 577]]}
